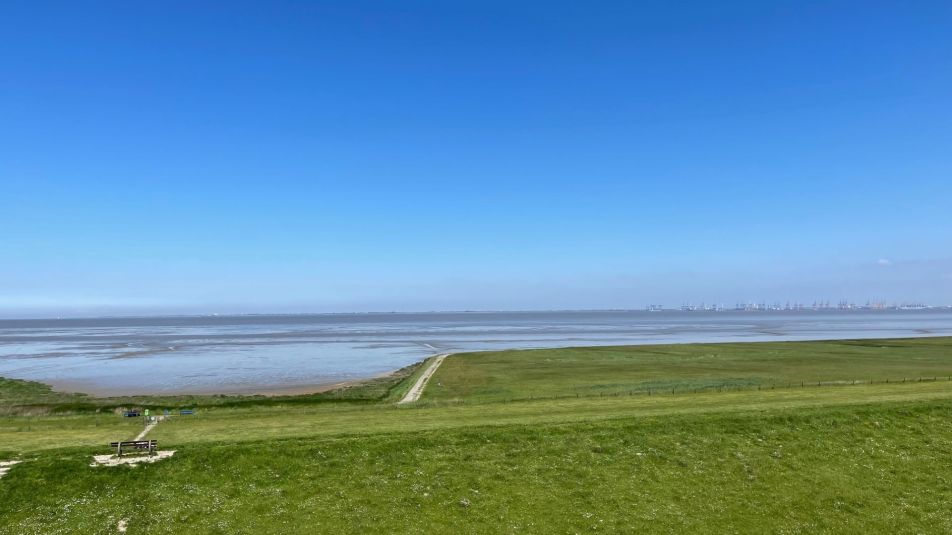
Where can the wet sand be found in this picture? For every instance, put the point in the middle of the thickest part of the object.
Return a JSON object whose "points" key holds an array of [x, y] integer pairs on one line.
{"points": [[251, 390]]}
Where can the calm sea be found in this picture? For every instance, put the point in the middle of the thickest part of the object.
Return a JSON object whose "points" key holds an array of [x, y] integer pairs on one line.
{"points": [[225, 354]]}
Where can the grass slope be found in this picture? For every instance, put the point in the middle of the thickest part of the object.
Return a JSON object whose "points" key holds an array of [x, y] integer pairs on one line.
{"points": [[19, 435], [16, 392], [587, 371], [876, 468], [593, 451]]}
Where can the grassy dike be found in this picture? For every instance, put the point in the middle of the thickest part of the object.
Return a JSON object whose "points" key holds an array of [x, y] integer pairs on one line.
{"points": [[847, 458], [594, 371]]}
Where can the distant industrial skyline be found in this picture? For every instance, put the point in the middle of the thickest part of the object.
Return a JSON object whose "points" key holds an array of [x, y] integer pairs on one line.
{"points": [[763, 305]]}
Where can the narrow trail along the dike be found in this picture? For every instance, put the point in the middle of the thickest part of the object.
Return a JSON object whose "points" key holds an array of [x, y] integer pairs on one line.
{"points": [[417, 390], [149, 428]]}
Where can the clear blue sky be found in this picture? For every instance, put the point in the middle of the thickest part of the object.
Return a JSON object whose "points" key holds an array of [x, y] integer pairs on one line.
{"points": [[191, 157]]}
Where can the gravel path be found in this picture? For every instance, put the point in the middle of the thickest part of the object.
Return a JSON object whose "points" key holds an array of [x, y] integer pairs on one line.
{"points": [[417, 390], [149, 428]]}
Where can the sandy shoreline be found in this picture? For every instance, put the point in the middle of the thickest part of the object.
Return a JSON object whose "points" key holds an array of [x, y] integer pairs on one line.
{"points": [[251, 390]]}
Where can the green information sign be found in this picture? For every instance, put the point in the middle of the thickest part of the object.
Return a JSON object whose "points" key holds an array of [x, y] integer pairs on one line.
{"points": [[147, 412]]}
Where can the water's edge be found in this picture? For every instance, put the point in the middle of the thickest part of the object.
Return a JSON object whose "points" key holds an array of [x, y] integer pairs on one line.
{"points": [[301, 353]]}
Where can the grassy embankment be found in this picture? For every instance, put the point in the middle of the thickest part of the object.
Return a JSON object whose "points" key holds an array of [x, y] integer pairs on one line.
{"points": [[588, 371], [863, 458]]}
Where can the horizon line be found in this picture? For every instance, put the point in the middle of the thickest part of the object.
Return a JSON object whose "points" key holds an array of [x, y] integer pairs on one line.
{"points": [[890, 308]]}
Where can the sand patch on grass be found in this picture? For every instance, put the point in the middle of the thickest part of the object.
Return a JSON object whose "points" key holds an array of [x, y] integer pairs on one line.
{"points": [[6, 465], [113, 460]]}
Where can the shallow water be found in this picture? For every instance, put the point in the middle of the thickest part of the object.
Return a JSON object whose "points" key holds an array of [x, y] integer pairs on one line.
{"points": [[110, 356]]}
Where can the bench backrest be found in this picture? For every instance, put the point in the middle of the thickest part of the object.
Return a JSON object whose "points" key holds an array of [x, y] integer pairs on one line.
{"points": [[135, 443]]}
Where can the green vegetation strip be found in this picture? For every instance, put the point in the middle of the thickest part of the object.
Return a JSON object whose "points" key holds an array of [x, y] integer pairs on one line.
{"points": [[594, 371], [20, 435]]}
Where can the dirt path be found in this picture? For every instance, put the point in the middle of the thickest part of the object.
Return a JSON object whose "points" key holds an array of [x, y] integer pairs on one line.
{"points": [[417, 390], [149, 428]]}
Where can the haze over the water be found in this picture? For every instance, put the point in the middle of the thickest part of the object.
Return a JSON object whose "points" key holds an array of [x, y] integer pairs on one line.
{"points": [[174, 158]]}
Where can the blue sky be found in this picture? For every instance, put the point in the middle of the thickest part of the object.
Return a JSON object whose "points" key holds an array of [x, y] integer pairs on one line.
{"points": [[193, 157]]}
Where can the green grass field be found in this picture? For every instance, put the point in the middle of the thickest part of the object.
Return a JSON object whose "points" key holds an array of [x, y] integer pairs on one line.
{"points": [[525, 442], [587, 371]]}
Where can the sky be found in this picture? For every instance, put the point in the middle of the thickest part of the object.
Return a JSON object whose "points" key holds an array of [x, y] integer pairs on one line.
{"points": [[240, 157]]}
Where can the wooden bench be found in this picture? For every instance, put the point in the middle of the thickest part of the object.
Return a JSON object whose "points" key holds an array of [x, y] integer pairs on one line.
{"points": [[130, 414], [135, 444], [186, 412]]}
